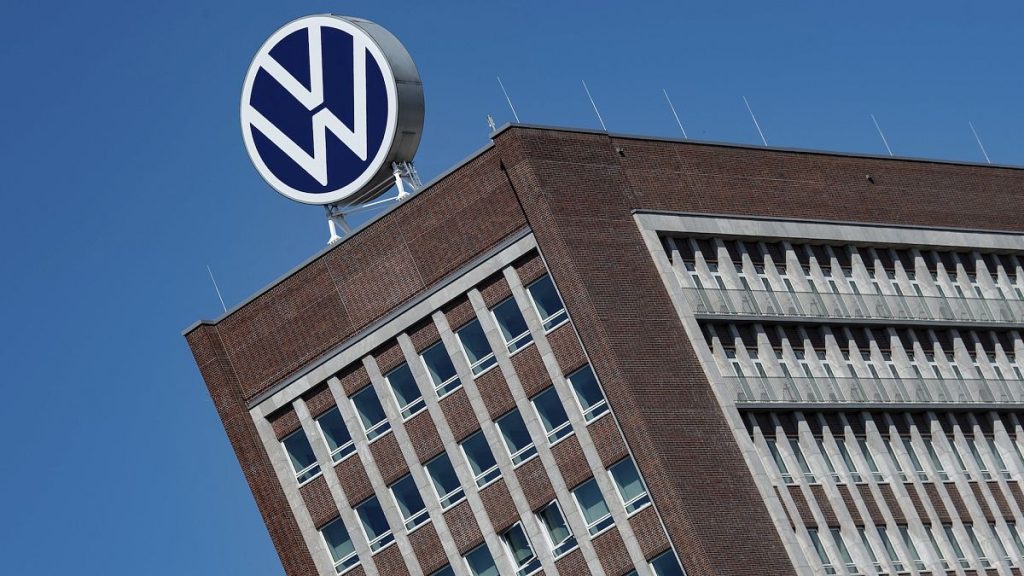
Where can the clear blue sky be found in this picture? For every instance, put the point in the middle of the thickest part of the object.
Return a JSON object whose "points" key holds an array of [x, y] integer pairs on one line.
{"points": [[124, 175]]}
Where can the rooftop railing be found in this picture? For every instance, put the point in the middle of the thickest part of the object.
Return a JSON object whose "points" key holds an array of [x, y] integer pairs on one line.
{"points": [[827, 390], [717, 302]]}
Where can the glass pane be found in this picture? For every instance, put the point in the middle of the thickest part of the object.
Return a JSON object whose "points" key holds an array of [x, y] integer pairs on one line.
{"points": [[338, 541], [666, 565], [478, 453], [585, 384], [299, 450], [628, 480], [408, 497], [402, 382], [474, 342], [446, 571], [518, 545], [373, 518], [369, 408], [549, 408], [591, 503], [555, 523], [510, 320], [334, 429], [546, 298], [481, 563], [513, 429], [439, 364], [443, 474]]}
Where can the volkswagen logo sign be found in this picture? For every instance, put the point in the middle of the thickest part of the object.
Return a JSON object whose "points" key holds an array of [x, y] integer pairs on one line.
{"points": [[328, 104]]}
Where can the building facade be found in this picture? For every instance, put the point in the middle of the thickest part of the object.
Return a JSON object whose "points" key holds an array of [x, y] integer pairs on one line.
{"points": [[580, 353]]}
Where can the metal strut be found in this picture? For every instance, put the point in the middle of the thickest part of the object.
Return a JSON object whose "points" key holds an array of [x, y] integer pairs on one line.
{"points": [[406, 182]]}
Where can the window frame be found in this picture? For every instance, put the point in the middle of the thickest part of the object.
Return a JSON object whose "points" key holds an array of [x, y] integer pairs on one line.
{"points": [[637, 503], [418, 518], [527, 452], [382, 541], [569, 543], [345, 563], [486, 362], [343, 451], [532, 564], [485, 477], [555, 320], [519, 342], [599, 409], [378, 429], [450, 385], [600, 525], [301, 475], [412, 408], [469, 567], [563, 430], [449, 500]]}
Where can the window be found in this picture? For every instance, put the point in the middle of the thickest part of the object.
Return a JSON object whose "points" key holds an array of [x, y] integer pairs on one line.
{"points": [[445, 481], [441, 370], [872, 465], [827, 459], [371, 413], [340, 545], [957, 549], [517, 437], [665, 564], [844, 453], [474, 345], [481, 459], [480, 562], [301, 454], [897, 465], [1000, 547], [589, 394], [844, 552], [513, 326], [826, 562], [375, 524], [773, 447], [546, 301], [518, 547], [890, 550], [871, 552], [997, 457], [592, 505], [446, 571], [982, 467], [410, 503], [630, 486], [336, 434], [985, 562], [934, 456], [407, 393], [801, 461], [1015, 536], [930, 530], [559, 533], [914, 460], [908, 542], [552, 415]]}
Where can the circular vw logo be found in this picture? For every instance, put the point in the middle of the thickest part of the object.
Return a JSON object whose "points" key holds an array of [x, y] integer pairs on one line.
{"points": [[328, 104]]}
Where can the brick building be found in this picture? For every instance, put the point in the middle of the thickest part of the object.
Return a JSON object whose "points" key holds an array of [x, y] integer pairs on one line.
{"points": [[582, 353]]}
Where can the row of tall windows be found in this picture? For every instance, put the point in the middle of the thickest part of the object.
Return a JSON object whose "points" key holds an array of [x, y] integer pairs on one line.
{"points": [[902, 548], [515, 540]]}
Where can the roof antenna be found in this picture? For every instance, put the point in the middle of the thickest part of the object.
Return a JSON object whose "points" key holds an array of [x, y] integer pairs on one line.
{"points": [[979, 142], [509, 100], [884, 141], [490, 122], [756, 125], [681, 129], [599, 119], [219, 297]]}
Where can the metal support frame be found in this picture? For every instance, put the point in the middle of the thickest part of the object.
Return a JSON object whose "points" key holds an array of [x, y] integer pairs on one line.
{"points": [[406, 181]]}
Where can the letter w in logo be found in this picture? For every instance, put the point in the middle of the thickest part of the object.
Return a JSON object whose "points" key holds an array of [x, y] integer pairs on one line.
{"points": [[324, 119]]}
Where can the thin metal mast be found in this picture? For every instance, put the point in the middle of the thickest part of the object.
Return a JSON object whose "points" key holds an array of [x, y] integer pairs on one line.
{"points": [[509, 100], [884, 141], [980, 145], [756, 125], [215, 287], [681, 129], [596, 111]]}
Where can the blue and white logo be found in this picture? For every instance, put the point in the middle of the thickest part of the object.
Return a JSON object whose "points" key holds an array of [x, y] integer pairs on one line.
{"points": [[321, 107]]}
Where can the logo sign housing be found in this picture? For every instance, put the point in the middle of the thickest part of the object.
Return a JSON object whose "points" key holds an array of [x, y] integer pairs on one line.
{"points": [[328, 104]]}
